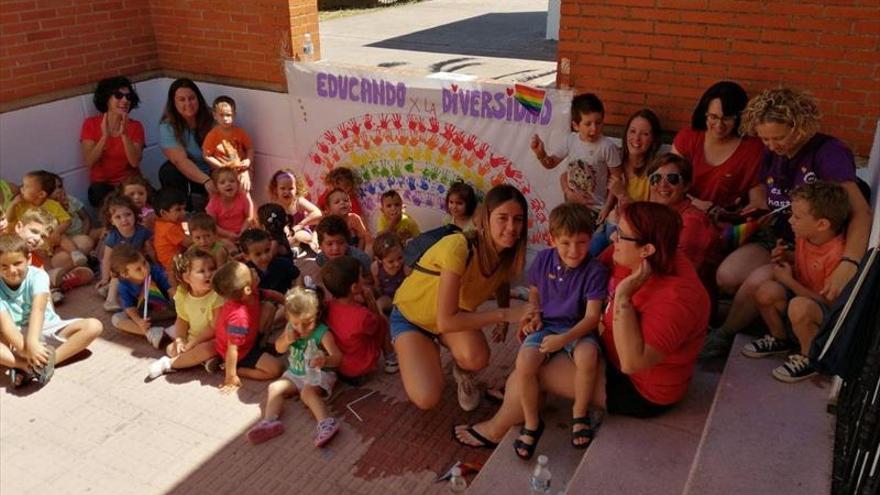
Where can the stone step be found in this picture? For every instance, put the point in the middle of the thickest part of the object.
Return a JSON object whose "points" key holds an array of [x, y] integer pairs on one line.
{"points": [[764, 436], [651, 456]]}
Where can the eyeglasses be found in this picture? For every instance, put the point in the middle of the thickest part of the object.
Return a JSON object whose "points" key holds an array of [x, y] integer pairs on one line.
{"points": [[617, 236], [714, 119], [120, 95], [673, 178]]}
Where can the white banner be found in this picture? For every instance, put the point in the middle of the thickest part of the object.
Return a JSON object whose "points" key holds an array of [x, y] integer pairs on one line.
{"points": [[418, 135]]}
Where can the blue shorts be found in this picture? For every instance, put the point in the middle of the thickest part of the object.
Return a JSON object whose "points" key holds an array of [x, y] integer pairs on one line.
{"points": [[534, 339], [400, 325], [789, 330]]}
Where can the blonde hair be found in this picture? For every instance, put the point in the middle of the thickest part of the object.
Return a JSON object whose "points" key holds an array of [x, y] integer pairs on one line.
{"points": [[39, 216], [300, 301], [182, 263], [782, 106], [221, 171]]}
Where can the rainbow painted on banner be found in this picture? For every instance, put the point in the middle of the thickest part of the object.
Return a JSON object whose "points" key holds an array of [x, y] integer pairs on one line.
{"points": [[531, 98]]}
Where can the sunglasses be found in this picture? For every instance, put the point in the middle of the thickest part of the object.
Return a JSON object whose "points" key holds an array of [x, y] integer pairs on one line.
{"points": [[673, 178], [120, 95]]}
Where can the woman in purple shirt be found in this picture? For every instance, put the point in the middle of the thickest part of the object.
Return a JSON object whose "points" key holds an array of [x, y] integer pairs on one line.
{"points": [[787, 121]]}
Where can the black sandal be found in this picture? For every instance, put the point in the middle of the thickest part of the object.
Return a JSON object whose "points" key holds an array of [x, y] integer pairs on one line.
{"points": [[529, 448], [20, 378], [485, 443], [589, 432]]}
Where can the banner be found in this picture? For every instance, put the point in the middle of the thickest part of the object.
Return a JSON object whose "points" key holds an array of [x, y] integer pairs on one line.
{"points": [[417, 135]]}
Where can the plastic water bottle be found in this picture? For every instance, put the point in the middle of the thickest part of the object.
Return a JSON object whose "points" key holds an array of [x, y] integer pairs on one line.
{"points": [[539, 481], [308, 48], [457, 483], [313, 373]]}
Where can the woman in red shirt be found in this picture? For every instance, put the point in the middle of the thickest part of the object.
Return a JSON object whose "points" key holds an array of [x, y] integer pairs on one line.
{"points": [[112, 143], [652, 329]]}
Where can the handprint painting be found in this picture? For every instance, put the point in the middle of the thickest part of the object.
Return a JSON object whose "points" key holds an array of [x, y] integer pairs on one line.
{"points": [[422, 136]]}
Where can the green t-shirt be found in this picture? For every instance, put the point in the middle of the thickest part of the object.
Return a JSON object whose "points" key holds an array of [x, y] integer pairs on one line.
{"points": [[297, 359]]}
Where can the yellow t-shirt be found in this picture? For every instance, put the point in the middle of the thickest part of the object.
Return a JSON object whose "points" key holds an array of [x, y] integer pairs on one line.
{"points": [[406, 229], [417, 296], [51, 206], [197, 311], [637, 188]]}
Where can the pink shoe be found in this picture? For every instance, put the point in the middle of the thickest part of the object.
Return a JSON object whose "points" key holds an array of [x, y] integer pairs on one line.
{"points": [[266, 429], [327, 429]]}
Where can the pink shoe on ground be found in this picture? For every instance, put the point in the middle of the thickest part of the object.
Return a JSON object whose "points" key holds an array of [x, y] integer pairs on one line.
{"points": [[327, 429], [266, 429]]}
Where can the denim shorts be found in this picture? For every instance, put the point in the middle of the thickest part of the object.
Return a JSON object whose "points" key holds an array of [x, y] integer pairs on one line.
{"points": [[400, 325], [534, 339]]}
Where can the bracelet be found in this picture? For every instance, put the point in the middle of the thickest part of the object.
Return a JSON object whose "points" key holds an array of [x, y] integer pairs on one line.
{"points": [[849, 260], [206, 181]]}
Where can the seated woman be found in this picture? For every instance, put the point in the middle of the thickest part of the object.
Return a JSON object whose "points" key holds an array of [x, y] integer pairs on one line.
{"points": [[787, 121], [651, 331], [438, 301], [112, 143], [184, 125], [725, 162]]}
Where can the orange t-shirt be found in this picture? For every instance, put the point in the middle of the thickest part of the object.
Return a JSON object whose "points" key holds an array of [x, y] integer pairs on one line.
{"points": [[235, 136], [813, 263], [167, 239]]}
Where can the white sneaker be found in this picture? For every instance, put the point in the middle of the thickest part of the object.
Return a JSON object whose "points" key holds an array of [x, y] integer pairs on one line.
{"points": [[154, 336], [159, 367], [57, 296], [78, 258], [391, 364], [103, 290], [112, 306], [468, 391]]}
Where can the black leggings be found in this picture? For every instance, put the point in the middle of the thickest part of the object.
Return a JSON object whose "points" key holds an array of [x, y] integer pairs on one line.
{"points": [[623, 397], [172, 178]]}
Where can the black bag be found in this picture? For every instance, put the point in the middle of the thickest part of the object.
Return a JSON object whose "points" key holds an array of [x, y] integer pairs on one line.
{"points": [[419, 245]]}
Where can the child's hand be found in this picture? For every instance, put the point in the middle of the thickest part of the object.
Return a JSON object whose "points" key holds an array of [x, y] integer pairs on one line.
{"points": [[780, 252], [142, 323], [37, 356], [499, 333], [231, 384], [552, 343], [537, 146], [179, 346], [782, 272], [318, 361]]}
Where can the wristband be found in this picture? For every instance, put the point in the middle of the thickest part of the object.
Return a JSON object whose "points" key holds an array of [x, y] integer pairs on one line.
{"points": [[206, 181], [849, 260]]}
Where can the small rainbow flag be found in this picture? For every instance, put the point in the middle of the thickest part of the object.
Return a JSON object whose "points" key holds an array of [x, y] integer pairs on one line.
{"points": [[735, 236], [531, 98]]}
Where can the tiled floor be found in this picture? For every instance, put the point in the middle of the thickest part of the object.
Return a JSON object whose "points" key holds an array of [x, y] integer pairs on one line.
{"points": [[98, 427]]}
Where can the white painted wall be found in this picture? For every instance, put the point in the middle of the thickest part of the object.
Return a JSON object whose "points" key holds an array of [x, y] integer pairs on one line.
{"points": [[47, 136]]}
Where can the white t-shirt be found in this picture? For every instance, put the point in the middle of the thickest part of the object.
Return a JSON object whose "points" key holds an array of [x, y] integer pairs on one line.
{"points": [[587, 165]]}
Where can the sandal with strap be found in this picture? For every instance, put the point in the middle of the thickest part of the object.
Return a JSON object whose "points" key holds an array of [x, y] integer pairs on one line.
{"points": [[519, 445], [484, 443], [589, 432], [327, 429], [20, 378]]}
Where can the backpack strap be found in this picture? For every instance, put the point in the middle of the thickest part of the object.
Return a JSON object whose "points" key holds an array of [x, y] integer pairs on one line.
{"points": [[427, 271]]}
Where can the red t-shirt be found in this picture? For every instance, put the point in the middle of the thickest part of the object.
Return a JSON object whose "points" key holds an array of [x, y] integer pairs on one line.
{"points": [[231, 217], [813, 264], [698, 233], [359, 334], [237, 323], [673, 313], [113, 166], [724, 183]]}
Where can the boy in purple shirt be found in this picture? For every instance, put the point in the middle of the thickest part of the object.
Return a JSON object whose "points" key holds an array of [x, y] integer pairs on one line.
{"points": [[569, 288]]}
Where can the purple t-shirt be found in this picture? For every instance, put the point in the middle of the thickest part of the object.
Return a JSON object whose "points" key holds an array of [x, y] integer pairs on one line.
{"points": [[564, 292]]}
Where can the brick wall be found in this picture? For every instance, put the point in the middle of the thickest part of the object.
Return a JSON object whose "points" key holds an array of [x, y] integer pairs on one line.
{"points": [[56, 48], [664, 53]]}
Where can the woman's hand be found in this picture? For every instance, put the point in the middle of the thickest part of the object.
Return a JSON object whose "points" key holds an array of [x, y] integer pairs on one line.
{"points": [[118, 129], [628, 286], [838, 279], [105, 126], [700, 204], [617, 185], [499, 332]]}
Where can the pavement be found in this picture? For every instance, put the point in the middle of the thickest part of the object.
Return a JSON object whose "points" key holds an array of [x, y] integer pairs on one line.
{"points": [[99, 427], [501, 40]]}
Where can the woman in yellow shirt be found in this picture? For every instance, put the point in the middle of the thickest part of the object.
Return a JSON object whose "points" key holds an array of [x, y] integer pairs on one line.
{"points": [[438, 301]]}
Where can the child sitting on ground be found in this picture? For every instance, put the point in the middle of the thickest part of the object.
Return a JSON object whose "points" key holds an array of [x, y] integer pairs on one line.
{"points": [[169, 238], [196, 303], [238, 324], [231, 207], [4, 223], [78, 236], [139, 190], [287, 189], [333, 237], [341, 178], [227, 145], [276, 273], [273, 219], [570, 288], [792, 301], [339, 203], [203, 230], [591, 156], [33, 338], [304, 325], [461, 203], [144, 295], [393, 219], [389, 269], [360, 330], [120, 213]]}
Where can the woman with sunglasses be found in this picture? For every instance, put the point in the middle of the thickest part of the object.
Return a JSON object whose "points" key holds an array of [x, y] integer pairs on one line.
{"points": [[652, 329], [669, 179], [112, 143], [787, 121], [725, 163]]}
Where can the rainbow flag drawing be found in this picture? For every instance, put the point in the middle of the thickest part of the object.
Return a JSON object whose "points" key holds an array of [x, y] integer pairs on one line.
{"points": [[531, 98]]}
